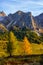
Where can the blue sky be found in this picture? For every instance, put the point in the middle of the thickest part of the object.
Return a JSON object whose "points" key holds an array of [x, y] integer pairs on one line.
{"points": [[11, 6]]}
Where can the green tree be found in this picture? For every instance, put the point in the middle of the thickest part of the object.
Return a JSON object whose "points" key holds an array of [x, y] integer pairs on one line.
{"points": [[41, 37], [33, 37]]}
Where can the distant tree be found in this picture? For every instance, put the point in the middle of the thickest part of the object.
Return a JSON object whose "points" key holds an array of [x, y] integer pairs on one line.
{"points": [[33, 37], [19, 34]]}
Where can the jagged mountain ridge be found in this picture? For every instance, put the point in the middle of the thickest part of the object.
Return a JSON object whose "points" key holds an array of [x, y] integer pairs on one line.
{"points": [[22, 19], [39, 20]]}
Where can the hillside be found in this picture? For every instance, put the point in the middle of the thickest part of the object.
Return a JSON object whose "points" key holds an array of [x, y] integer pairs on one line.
{"points": [[3, 28], [10, 45]]}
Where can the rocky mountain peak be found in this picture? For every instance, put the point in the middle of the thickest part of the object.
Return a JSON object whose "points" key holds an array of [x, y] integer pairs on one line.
{"points": [[19, 12], [2, 13]]}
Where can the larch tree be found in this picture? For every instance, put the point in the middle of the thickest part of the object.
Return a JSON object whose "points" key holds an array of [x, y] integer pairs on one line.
{"points": [[14, 42], [17, 45], [27, 46], [9, 45]]}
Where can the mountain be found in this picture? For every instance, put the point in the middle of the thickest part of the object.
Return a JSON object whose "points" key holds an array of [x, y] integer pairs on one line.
{"points": [[22, 19], [2, 26], [39, 21], [2, 14]]}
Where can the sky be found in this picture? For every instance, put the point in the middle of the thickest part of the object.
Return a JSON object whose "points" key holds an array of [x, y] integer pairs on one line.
{"points": [[11, 6]]}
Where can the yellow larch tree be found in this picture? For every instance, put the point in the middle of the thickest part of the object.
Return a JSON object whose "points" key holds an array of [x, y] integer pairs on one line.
{"points": [[14, 42], [27, 46], [17, 45]]}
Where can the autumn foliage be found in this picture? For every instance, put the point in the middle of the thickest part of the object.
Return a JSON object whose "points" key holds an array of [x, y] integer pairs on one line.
{"points": [[27, 46], [20, 47], [17, 47]]}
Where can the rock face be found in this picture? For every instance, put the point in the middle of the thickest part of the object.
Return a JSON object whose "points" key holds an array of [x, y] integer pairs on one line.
{"points": [[2, 27], [39, 21], [2, 14], [22, 19], [2, 17]]}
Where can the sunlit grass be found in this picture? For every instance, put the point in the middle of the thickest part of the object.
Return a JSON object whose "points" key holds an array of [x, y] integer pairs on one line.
{"points": [[37, 48], [20, 48]]}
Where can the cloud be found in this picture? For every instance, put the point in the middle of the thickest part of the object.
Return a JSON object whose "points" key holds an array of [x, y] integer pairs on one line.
{"points": [[11, 6]]}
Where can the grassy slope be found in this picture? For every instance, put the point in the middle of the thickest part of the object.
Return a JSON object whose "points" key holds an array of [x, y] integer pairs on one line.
{"points": [[2, 48], [36, 49]]}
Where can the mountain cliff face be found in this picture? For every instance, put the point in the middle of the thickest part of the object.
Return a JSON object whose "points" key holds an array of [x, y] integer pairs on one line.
{"points": [[22, 19], [2, 16], [39, 21]]}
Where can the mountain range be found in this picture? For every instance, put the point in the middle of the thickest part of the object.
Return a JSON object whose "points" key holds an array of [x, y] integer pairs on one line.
{"points": [[21, 19]]}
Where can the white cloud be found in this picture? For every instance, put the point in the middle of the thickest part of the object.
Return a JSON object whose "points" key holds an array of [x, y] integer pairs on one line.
{"points": [[11, 6]]}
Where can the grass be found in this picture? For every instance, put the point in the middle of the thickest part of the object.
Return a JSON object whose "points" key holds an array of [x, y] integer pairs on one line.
{"points": [[36, 48], [20, 61]]}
